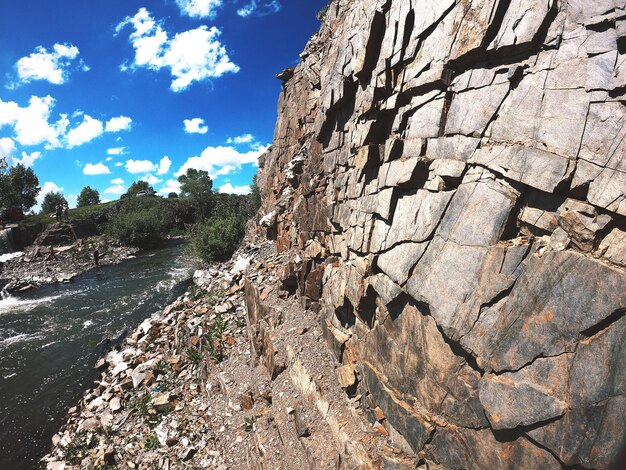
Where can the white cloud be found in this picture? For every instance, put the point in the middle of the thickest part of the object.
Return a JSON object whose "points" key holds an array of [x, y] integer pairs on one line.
{"points": [[7, 149], [171, 186], [198, 8], [47, 187], [27, 160], [116, 151], [230, 189], [117, 181], [117, 124], [259, 8], [195, 126], [140, 166], [119, 164], [151, 179], [30, 124], [164, 165], [52, 66], [97, 169], [116, 189], [221, 160], [72, 200], [85, 132], [194, 55], [241, 139]]}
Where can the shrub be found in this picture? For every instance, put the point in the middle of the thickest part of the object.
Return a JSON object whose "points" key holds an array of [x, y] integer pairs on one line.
{"points": [[142, 228], [218, 238]]}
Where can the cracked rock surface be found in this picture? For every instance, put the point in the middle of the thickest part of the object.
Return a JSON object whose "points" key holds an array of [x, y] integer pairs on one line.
{"points": [[447, 184]]}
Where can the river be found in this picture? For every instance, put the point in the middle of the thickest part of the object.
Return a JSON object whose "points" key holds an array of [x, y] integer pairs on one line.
{"points": [[49, 342]]}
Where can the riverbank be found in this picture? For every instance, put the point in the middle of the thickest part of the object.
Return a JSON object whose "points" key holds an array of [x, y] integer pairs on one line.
{"points": [[51, 336], [233, 374], [37, 267]]}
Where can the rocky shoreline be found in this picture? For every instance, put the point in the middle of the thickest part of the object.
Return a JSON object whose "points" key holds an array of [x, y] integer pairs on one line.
{"points": [[233, 374], [36, 267]]}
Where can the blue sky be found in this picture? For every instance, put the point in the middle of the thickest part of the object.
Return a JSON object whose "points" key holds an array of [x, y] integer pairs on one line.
{"points": [[107, 93]]}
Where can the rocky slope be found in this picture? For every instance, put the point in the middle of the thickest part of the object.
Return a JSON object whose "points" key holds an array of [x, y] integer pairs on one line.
{"points": [[209, 383], [445, 285], [447, 183]]}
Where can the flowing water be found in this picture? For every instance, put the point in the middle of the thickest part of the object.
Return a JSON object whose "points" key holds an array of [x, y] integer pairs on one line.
{"points": [[51, 338]]}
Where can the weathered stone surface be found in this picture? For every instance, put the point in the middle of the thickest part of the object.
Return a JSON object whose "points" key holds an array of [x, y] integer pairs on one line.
{"points": [[613, 247], [417, 360], [559, 295], [417, 217], [582, 229], [521, 23], [534, 167], [398, 262], [535, 393], [590, 432], [471, 158], [472, 110], [472, 203], [413, 426], [478, 449]]}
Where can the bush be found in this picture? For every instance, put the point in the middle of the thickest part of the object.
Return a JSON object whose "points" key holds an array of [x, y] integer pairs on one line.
{"points": [[143, 228], [218, 238]]}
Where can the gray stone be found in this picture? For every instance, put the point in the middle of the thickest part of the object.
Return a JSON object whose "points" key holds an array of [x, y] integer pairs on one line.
{"points": [[473, 203], [456, 147], [544, 221], [472, 110], [521, 22], [534, 167], [559, 295], [398, 262], [397, 172], [417, 216], [613, 247], [528, 396]]}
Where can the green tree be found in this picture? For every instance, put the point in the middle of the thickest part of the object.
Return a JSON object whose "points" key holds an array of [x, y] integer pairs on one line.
{"points": [[50, 202], [88, 197], [139, 186], [19, 188], [198, 185], [255, 192]]}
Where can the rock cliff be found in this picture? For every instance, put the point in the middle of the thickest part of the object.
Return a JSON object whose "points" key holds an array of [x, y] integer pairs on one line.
{"points": [[448, 182]]}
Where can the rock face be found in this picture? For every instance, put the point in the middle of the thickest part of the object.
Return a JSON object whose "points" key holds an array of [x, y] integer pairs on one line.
{"points": [[448, 182]]}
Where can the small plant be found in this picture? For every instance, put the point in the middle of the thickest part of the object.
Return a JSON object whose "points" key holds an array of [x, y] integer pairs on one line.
{"points": [[194, 355], [215, 351], [213, 297], [322, 13], [152, 442], [240, 322], [75, 451], [220, 324], [196, 292], [143, 406], [248, 424], [160, 366]]}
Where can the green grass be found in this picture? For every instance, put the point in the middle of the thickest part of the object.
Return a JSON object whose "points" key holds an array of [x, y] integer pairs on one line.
{"points": [[78, 213]]}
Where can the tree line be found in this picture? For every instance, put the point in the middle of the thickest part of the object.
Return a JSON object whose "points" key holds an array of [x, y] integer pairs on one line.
{"points": [[216, 222]]}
